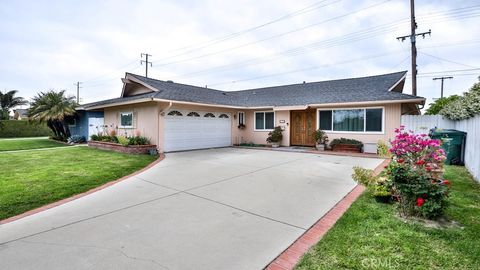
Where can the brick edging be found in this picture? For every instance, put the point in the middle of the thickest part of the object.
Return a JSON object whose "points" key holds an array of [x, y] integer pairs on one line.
{"points": [[292, 255], [80, 195]]}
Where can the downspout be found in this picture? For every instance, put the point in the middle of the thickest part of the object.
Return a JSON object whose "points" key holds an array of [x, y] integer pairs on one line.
{"points": [[161, 113]]}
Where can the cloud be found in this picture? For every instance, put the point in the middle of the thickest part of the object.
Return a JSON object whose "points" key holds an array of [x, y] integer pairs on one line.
{"points": [[47, 44]]}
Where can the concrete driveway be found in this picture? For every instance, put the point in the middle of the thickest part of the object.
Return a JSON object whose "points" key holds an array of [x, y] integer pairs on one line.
{"points": [[211, 209]]}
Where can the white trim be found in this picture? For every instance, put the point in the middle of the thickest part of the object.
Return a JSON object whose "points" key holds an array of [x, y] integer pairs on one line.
{"points": [[364, 120], [367, 103], [399, 81], [120, 119], [255, 120]]}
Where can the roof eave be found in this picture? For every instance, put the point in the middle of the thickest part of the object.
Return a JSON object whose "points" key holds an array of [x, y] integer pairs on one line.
{"points": [[376, 102]]}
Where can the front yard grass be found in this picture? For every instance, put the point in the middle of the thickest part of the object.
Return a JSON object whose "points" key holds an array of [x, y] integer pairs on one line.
{"points": [[31, 179], [28, 143], [370, 236]]}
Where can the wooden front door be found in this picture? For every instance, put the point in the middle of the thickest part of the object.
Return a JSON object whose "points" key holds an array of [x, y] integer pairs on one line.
{"points": [[302, 127]]}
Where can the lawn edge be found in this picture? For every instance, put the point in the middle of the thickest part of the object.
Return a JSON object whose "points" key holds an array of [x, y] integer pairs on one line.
{"points": [[80, 195], [292, 255]]}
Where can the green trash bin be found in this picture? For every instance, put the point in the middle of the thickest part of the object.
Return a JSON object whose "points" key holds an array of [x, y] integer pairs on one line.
{"points": [[453, 142]]}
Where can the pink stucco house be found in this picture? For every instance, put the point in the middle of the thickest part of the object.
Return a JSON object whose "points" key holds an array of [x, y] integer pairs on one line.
{"points": [[179, 117]]}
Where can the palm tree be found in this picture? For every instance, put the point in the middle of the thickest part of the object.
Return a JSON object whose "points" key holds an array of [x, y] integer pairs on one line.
{"points": [[8, 100], [53, 107]]}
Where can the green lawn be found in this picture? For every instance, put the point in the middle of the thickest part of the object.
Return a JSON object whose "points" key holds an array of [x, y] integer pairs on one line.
{"points": [[27, 143], [370, 236], [35, 178]]}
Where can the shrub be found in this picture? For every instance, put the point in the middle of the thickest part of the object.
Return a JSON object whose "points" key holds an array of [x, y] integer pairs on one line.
{"points": [[382, 149], [123, 140], [21, 128], [320, 136], [138, 140], [334, 142], [275, 136], [464, 107], [379, 185], [76, 139], [414, 174], [95, 137]]}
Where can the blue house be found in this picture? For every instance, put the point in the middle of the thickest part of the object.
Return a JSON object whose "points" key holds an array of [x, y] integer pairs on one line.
{"points": [[86, 123]]}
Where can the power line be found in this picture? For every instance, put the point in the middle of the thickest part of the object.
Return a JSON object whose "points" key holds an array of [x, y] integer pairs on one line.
{"points": [[272, 37], [446, 60], [323, 44], [413, 37], [146, 62], [212, 42], [306, 69], [78, 91], [442, 79]]}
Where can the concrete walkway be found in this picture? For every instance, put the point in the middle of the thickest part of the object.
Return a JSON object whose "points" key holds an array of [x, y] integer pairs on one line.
{"points": [[211, 209]]}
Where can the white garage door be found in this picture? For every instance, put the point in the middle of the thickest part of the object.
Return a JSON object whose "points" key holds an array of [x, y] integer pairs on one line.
{"points": [[186, 130]]}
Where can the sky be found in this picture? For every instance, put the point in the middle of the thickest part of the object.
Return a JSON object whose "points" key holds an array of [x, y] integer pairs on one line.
{"points": [[232, 45]]}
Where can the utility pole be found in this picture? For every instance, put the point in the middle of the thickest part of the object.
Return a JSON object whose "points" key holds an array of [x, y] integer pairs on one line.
{"points": [[146, 62], [441, 85], [78, 91], [413, 36]]}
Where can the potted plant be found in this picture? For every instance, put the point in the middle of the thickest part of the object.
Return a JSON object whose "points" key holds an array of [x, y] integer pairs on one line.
{"points": [[378, 185], [321, 139], [275, 136]]}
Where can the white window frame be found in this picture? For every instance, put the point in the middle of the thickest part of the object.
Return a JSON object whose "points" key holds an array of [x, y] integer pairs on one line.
{"points": [[244, 119], [255, 120], [120, 119], [364, 120]]}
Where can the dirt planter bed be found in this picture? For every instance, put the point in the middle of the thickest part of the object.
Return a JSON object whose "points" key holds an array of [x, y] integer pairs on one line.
{"points": [[131, 149], [343, 147]]}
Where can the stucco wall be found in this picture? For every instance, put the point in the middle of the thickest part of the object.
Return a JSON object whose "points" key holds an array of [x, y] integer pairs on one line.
{"points": [[150, 123], [249, 135], [145, 119]]}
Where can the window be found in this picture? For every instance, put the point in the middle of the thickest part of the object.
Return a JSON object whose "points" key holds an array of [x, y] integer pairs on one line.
{"points": [[374, 120], [126, 120], [175, 113], [223, 116], [241, 118], [351, 120], [209, 115], [264, 120], [193, 114]]}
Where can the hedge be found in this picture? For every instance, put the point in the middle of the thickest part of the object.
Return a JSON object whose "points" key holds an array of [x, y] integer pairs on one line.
{"points": [[21, 128]]}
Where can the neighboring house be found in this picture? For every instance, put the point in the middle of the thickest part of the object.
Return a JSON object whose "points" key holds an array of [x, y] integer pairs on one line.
{"points": [[182, 117], [20, 114], [85, 123]]}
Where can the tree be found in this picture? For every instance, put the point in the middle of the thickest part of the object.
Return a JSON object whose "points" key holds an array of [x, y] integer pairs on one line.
{"points": [[8, 100], [53, 108], [436, 106], [466, 106]]}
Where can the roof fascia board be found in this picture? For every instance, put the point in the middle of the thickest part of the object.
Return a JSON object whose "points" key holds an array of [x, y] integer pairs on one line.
{"points": [[377, 102], [118, 104], [129, 79], [290, 108], [398, 82], [211, 105]]}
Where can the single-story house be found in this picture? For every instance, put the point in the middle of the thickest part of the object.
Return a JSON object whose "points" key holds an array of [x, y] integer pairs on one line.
{"points": [[20, 114], [178, 116]]}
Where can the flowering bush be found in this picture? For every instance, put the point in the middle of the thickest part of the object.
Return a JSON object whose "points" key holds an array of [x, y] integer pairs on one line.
{"points": [[416, 174], [466, 106]]}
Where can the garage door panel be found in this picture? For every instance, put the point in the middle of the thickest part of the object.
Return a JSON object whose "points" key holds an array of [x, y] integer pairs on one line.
{"points": [[187, 133]]}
